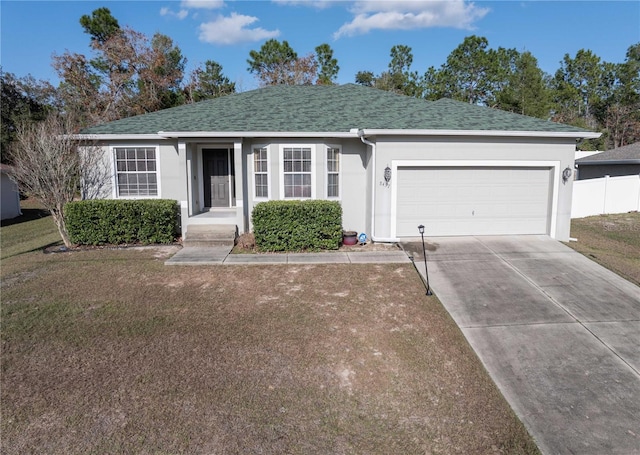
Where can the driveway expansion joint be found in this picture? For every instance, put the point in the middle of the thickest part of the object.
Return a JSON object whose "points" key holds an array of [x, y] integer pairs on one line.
{"points": [[518, 324]]}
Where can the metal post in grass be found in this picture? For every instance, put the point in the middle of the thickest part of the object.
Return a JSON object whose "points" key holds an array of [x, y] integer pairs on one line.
{"points": [[424, 253]]}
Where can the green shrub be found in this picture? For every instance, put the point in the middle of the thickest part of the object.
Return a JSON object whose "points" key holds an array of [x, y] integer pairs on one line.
{"points": [[115, 222], [297, 225]]}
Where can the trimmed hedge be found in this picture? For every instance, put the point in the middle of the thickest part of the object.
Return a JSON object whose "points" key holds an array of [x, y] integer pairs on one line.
{"points": [[115, 222], [297, 225]]}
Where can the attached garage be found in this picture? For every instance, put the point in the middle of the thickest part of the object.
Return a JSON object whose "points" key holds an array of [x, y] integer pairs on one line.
{"points": [[489, 199]]}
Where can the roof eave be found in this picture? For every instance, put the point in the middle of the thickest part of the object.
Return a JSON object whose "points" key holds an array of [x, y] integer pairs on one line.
{"points": [[251, 134], [115, 137], [353, 133], [483, 133]]}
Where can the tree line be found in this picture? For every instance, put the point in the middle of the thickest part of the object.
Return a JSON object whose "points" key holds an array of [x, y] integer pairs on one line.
{"points": [[585, 91], [128, 73]]}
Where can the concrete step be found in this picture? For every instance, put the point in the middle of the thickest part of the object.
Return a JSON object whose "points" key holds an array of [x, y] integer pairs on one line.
{"points": [[210, 235]]}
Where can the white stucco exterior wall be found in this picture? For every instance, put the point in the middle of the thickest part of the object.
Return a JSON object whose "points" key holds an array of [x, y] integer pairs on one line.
{"points": [[353, 175], [172, 172], [486, 149], [171, 168], [362, 188]]}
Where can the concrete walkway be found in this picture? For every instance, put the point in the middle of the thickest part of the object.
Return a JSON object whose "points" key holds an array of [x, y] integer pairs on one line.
{"points": [[558, 333], [220, 255]]}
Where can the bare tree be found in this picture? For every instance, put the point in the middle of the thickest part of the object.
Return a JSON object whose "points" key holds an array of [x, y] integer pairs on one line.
{"points": [[301, 71], [49, 166], [131, 75]]}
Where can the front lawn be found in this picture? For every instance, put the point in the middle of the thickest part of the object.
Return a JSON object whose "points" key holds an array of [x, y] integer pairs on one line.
{"points": [[611, 240], [32, 231], [112, 352]]}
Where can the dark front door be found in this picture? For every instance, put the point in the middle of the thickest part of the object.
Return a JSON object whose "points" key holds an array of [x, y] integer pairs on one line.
{"points": [[216, 177]]}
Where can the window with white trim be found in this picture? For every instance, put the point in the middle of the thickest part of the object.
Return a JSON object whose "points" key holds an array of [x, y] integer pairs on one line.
{"points": [[261, 172], [297, 172], [333, 172], [136, 171]]}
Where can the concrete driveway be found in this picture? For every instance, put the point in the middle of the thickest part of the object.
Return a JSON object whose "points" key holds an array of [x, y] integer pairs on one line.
{"points": [[559, 334]]}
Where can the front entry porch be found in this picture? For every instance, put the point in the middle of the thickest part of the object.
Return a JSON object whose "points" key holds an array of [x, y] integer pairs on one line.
{"points": [[226, 215], [214, 191]]}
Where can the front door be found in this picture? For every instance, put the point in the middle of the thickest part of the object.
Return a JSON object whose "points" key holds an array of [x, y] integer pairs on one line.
{"points": [[215, 163]]}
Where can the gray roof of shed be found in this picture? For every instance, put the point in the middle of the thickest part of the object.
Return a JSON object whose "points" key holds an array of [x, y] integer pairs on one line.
{"points": [[628, 153], [337, 108]]}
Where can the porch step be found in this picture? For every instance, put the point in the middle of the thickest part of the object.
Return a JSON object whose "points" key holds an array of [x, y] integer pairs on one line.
{"points": [[209, 235]]}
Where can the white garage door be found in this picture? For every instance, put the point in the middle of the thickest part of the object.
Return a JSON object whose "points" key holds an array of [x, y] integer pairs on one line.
{"points": [[473, 200]]}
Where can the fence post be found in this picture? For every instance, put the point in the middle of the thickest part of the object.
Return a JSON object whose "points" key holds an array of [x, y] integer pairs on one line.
{"points": [[638, 205], [604, 204]]}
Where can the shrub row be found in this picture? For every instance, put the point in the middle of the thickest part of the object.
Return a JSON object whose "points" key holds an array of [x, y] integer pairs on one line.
{"points": [[115, 222], [309, 225]]}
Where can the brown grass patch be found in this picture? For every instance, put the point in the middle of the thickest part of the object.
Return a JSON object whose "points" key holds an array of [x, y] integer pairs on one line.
{"points": [[112, 352], [610, 240]]}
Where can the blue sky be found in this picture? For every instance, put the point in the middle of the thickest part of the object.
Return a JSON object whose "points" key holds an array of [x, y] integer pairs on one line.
{"points": [[360, 32]]}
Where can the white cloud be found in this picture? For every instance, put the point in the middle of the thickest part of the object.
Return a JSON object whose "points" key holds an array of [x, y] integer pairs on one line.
{"points": [[233, 29], [410, 14], [202, 4], [180, 14], [186, 5], [318, 4]]}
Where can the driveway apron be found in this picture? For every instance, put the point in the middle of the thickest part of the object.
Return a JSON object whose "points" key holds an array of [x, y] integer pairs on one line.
{"points": [[558, 333]]}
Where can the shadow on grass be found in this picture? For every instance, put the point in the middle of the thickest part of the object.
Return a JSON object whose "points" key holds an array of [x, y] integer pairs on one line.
{"points": [[27, 215], [43, 248]]}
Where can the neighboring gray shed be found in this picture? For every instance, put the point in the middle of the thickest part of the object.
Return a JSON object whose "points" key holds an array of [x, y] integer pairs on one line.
{"points": [[10, 207], [614, 163]]}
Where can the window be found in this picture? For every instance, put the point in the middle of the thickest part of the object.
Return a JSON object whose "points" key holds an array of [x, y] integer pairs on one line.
{"points": [[260, 172], [136, 171], [333, 172], [297, 172]]}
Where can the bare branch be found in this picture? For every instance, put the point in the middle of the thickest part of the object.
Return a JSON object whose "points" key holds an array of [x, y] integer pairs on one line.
{"points": [[48, 167]]}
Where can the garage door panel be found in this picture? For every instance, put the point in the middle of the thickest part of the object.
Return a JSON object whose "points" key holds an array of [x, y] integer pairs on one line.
{"points": [[473, 201]]}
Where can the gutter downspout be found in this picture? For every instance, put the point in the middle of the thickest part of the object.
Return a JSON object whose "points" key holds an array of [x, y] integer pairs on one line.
{"points": [[373, 199]]}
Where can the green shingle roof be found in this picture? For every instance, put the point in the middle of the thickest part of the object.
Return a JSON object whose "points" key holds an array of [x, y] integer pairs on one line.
{"points": [[337, 108]]}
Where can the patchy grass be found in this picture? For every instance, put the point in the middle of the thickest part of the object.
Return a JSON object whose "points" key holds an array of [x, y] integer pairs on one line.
{"points": [[112, 352], [610, 240], [32, 231]]}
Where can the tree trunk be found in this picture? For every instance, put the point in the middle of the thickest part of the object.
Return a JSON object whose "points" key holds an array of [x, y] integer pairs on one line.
{"points": [[58, 218]]}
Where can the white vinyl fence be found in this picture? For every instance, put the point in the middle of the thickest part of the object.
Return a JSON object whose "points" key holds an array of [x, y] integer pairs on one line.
{"points": [[605, 195]]}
